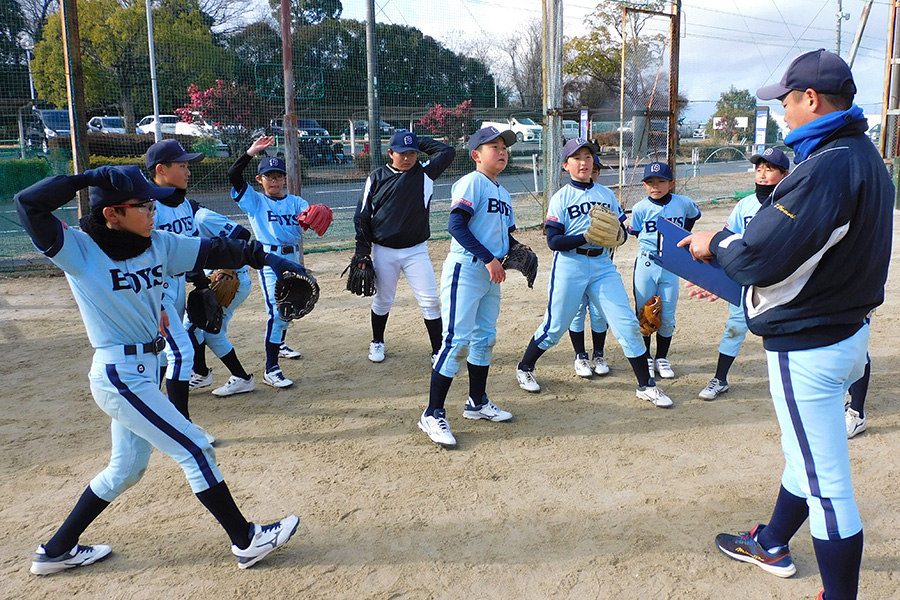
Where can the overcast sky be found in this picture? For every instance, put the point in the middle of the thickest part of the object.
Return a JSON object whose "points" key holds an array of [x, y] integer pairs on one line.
{"points": [[743, 43]]}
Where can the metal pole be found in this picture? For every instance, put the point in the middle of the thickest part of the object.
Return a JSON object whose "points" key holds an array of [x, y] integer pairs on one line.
{"points": [[863, 19], [291, 134], [75, 91], [552, 56], [837, 35], [157, 127], [675, 33], [372, 86]]}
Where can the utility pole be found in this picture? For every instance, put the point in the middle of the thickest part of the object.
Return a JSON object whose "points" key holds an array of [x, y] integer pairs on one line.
{"points": [[372, 86], [291, 134], [841, 16], [75, 89], [553, 16]]}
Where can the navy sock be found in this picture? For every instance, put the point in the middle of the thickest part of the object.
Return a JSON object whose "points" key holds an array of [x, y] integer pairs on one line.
{"points": [[577, 338], [859, 389], [234, 365], [88, 508], [641, 370], [647, 343], [437, 394], [662, 345], [178, 395], [219, 501], [789, 514], [477, 382], [435, 334], [200, 366], [839, 562], [532, 354], [723, 366], [599, 338], [379, 322], [272, 355]]}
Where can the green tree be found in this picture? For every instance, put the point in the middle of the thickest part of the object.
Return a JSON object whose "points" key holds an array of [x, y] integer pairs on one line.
{"points": [[115, 56], [732, 104], [309, 12]]}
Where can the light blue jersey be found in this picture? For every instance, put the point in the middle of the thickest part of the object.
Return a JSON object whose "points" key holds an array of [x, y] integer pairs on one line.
{"points": [[491, 209], [570, 208], [274, 222], [644, 214]]}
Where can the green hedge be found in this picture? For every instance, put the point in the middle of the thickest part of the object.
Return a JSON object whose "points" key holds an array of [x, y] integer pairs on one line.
{"points": [[18, 174]]}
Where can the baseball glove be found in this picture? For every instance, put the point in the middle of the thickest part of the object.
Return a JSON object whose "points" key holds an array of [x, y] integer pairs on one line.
{"points": [[318, 217], [521, 258], [204, 310], [361, 280], [296, 294], [605, 229], [224, 283], [650, 316]]}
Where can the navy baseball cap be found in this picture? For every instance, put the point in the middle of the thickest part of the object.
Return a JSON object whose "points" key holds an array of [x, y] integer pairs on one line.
{"points": [[597, 163], [574, 145], [404, 141], [774, 156], [820, 70], [169, 151], [489, 134], [271, 164], [141, 189], [658, 169]]}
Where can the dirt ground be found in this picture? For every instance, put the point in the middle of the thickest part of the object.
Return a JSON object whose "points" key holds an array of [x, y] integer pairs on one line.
{"points": [[588, 493]]}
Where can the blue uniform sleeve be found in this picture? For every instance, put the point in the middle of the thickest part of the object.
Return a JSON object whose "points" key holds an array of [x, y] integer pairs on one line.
{"points": [[459, 229], [560, 242], [36, 203]]}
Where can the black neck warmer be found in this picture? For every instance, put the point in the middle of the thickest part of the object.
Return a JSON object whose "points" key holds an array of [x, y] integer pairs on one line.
{"points": [[115, 243]]}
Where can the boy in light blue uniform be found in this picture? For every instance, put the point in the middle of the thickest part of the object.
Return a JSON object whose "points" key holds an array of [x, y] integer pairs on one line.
{"points": [[650, 279], [273, 218], [771, 167], [116, 266], [581, 267], [211, 224], [481, 223]]}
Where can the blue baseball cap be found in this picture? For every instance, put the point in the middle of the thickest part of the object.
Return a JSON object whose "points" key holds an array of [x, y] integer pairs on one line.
{"points": [[774, 156], [169, 151], [597, 163], [141, 189], [404, 141], [574, 145], [269, 164], [489, 134], [820, 70], [658, 169]]}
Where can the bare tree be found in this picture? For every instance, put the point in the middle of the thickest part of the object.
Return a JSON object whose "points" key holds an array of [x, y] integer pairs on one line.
{"points": [[525, 51], [35, 13]]}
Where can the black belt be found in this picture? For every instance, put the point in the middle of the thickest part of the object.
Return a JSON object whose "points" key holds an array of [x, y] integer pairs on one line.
{"points": [[590, 253], [282, 249], [154, 347]]}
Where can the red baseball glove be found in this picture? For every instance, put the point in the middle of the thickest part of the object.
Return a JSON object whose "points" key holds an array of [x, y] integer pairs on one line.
{"points": [[317, 217]]}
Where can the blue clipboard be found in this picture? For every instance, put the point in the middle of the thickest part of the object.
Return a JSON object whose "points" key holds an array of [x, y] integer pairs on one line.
{"points": [[679, 261]]}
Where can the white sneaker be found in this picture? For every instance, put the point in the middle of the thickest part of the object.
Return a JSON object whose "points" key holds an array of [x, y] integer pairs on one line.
{"points": [[265, 539], [583, 366], [664, 368], [376, 351], [210, 438], [200, 381], [654, 395], [235, 385], [276, 378], [855, 424], [437, 428], [713, 389], [79, 556], [488, 411], [527, 381], [285, 352], [433, 359], [600, 366], [650, 367]]}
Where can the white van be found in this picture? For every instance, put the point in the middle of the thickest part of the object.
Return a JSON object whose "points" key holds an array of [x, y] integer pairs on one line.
{"points": [[570, 129]]}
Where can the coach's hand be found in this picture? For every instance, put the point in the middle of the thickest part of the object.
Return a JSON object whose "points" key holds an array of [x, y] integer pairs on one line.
{"points": [[498, 273], [698, 244]]}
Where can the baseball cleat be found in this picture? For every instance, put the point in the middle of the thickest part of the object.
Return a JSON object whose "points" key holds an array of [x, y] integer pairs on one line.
{"points": [[200, 381], [713, 389], [664, 368], [276, 378], [855, 423], [745, 548], [583, 366], [527, 381], [285, 352], [650, 367], [376, 351], [235, 385], [433, 359], [488, 411], [437, 428], [600, 366], [210, 438], [265, 538], [79, 556], [653, 395]]}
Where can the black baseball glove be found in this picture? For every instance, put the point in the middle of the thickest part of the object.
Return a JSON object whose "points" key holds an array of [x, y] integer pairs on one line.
{"points": [[521, 258], [204, 311], [361, 280], [296, 294]]}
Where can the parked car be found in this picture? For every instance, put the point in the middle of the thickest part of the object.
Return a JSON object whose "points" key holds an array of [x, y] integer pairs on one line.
{"points": [[361, 131], [305, 127], [700, 133], [166, 122], [570, 129], [45, 125], [106, 124]]}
